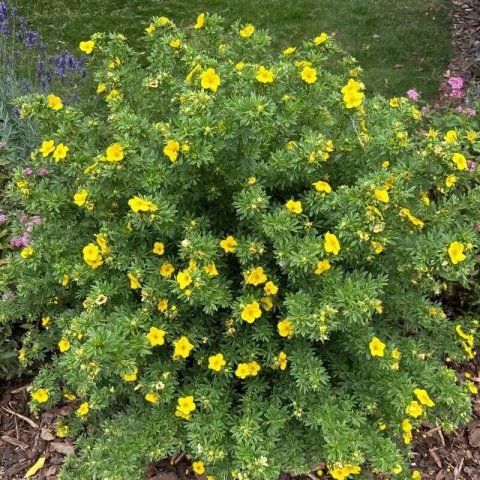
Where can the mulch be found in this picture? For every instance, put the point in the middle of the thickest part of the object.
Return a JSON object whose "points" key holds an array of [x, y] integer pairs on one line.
{"points": [[465, 61]]}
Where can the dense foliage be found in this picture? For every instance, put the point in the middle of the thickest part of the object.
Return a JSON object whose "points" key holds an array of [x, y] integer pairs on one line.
{"points": [[241, 257]]}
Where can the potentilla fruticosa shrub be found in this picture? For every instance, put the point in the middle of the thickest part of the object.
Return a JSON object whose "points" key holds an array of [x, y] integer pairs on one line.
{"points": [[242, 258]]}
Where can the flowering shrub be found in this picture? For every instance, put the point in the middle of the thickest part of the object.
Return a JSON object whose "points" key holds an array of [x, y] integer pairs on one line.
{"points": [[243, 258]]}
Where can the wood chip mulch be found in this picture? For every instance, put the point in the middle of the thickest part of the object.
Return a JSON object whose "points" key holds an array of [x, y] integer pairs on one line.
{"points": [[465, 62]]}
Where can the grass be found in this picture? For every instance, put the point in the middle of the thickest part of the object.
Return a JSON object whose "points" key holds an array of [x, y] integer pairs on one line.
{"points": [[401, 45]]}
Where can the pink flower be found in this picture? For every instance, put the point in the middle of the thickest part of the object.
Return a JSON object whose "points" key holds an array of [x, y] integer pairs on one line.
{"points": [[456, 83], [455, 93], [27, 171], [412, 94], [42, 172]]}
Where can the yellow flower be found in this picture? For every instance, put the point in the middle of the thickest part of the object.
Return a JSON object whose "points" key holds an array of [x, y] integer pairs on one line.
{"points": [[377, 347], [162, 305], [130, 377], [455, 252], [150, 29], [171, 150], [134, 283], [322, 266], [60, 152], [460, 161], [396, 354], [352, 86], [397, 469], [282, 360], [322, 186], [91, 256], [162, 21], [255, 277], [294, 206], [394, 103], [405, 212], [210, 80], [251, 312], [381, 194], [253, 369], [48, 146], [158, 248], [423, 397], [331, 243], [270, 288], [137, 204], [151, 397], [198, 467], [267, 303], [377, 247], [450, 181], [341, 472], [414, 409], [54, 102], [200, 22], [239, 66], [27, 252], [61, 431], [112, 95], [309, 75], [83, 409], [264, 75], [216, 362], [64, 345], [185, 406], [247, 31], [242, 371], [40, 395], [184, 279], [182, 347], [101, 87], [115, 152], [229, 244], [87, 46], [46, 321], [285, 328], [289, 50], [416, 475], [425, 198], [472, 387], [210, 269], [353, 99], [102, 243], [114, 63], [175, 43], [471, 136], [80, 197], [156, 336], [322, 38], [401, 136], [451, 136], [166, 270], [406, 425]]}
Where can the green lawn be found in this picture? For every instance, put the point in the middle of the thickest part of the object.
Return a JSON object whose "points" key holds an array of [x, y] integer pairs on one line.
{"points": [[400, 44]]}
